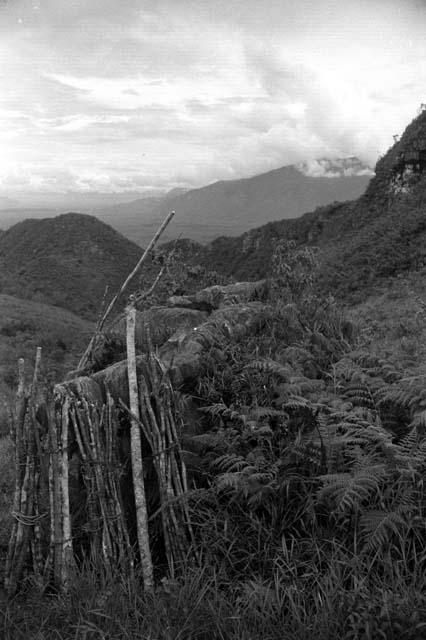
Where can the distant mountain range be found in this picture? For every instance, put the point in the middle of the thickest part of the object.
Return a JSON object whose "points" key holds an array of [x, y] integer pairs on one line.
{"points": [[227, 207], [68, 260], [380, 234], [230, 207]]}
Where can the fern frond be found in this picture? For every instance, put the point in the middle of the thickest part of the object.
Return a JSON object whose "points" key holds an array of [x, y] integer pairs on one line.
{"points": [[347, 491], [267, 365], [221, 410], [229, 480], [230, 463], [297, 402], [268, 412], [378, 526], [202, 441]]}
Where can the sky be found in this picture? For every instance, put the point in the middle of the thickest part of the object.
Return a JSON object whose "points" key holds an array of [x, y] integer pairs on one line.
{"points": [[130, 96]]}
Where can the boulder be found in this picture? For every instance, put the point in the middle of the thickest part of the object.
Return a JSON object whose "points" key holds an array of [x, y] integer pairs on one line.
{"points": [[183, 352], [83, 387], [222, 295], [159, 322], [114, 379]]}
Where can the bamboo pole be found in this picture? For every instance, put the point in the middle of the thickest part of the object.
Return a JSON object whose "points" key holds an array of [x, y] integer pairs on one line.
{"points": [[151, 245], [136, 454]]}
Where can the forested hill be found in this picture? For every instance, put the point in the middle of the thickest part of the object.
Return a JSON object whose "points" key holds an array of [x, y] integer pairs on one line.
{"points": [[378, 235], [66, 261]]}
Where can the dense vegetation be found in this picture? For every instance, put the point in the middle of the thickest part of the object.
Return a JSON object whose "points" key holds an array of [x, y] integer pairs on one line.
{"points": [[307, 499], [307, 470], [66, 261]]}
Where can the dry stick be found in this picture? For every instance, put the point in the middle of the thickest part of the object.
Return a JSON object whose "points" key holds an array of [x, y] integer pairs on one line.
{"points": [[67, 547], [166, 442], [26, 506], [161, 454], [176, 449], [50, 556], [140, 297], [143, 296], [21, 405], [126, 552], [55, 497], [93, 421], [36, 543], [152, 434], [170, 524], [112, 522], [136, 454], [123, 287], [88, 479], [25, 515]]}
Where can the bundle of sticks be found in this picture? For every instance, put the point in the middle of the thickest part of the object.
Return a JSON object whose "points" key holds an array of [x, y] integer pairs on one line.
{"points": [[153, 409], [29, 511], [42, 538], [51, 431]]}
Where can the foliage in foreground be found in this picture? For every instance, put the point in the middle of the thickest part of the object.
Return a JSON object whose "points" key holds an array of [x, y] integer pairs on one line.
{"points": [[308, 498], [296, 602]]}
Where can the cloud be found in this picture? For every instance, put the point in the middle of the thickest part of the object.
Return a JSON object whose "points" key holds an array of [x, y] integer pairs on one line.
{"points": [[186, 93]]}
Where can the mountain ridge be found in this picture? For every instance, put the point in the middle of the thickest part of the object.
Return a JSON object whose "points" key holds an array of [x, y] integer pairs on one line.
{"points": [[224, 207], [232, 207], [381, 233]]}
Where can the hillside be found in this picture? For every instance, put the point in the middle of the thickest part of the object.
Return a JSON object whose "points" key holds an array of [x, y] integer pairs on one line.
{"points": [[230, 207], [360, 242], [26, 325], [65, 261]]}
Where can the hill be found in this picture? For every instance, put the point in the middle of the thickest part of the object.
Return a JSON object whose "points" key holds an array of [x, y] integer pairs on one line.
{"points": [[360, 242], [65, 261], [25, 325], [230, 207]]}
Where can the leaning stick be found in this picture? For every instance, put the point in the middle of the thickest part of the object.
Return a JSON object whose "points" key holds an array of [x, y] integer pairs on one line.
{"points": [[124, 286], [136, 454]]}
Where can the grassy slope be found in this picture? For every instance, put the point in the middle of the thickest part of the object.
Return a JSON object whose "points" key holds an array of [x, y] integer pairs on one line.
{"points": [[393, 320], [25, 325]]}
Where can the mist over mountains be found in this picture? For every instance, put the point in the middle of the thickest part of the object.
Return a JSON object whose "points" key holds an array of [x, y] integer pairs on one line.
{"points": [[227, 207], [68, 260]]}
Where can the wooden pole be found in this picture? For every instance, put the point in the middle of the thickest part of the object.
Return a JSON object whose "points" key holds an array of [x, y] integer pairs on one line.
{"points": [[123, 287], [67, 546], [136, 453]]}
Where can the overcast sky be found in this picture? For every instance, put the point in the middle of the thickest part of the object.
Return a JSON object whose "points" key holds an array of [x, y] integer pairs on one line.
{"points": [[116, 95]]}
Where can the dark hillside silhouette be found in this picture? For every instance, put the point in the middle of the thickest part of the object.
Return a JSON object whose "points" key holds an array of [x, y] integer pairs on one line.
{"points": [[66, 261]]}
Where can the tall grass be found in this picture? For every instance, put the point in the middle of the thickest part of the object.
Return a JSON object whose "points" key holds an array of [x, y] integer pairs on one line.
{"points": [[309, 519], [7, 480], [344, 601]]}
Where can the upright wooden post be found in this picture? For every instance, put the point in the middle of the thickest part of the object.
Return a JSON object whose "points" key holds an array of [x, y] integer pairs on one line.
{"points": [[136, 453]]}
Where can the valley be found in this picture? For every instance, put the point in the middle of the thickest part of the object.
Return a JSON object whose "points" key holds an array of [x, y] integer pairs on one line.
{"points": [[224, 208], [298, 399]]}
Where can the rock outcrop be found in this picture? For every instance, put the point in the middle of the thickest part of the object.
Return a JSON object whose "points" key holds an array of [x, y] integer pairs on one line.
{"points": [[186, 340]]}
